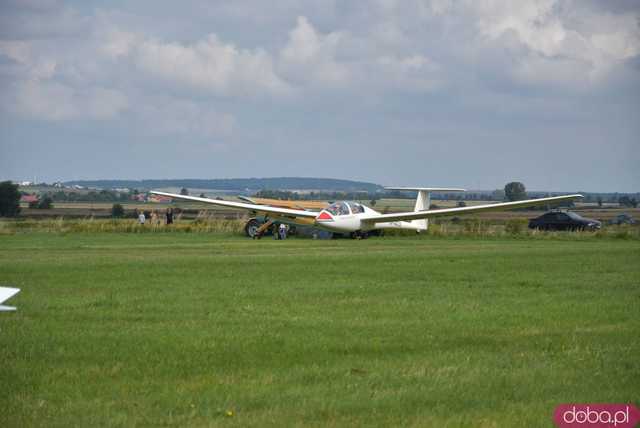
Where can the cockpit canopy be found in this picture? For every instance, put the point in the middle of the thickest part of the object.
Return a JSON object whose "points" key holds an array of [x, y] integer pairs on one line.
{"points": [[344, 208]]}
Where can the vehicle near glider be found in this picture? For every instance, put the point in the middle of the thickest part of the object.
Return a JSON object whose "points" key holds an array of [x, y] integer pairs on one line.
{"points": [[622, 219], [563, 220], [5, 294], [359, 220], [260, 225]]}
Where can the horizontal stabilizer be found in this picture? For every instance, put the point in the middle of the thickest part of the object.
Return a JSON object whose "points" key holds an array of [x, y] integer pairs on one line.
{"points": [[5, 294], [426, 189]]}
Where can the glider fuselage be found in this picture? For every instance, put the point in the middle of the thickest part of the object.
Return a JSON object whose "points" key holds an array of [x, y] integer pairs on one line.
{"points": [[347, 216]]}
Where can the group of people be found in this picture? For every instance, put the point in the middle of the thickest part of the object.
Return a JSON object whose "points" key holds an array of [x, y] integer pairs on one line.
{"points": [[281, 231], [154, 218]]}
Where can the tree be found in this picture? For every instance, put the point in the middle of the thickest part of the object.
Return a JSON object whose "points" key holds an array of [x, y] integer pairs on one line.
{"points": [[117, 210], [45, 203], [599, 201], [515, 191], [184, 191], [9, 199], [202, 195], [628, 202]]}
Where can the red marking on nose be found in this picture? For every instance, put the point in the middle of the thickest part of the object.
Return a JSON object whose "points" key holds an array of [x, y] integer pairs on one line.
{"points": [[324, 216]]}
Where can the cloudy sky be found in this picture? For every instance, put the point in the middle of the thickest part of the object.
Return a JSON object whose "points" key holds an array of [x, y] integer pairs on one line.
{"points": [[399, 92]]}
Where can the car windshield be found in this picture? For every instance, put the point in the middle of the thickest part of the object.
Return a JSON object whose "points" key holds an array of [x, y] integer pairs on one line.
{"points": [[338, 208]]}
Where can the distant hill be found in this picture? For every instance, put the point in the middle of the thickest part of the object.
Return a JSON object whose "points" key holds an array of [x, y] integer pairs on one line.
{"points": [[237, 184]]}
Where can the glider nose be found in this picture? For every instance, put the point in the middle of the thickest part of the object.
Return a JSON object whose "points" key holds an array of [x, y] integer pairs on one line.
{"points": [[324, 217]]}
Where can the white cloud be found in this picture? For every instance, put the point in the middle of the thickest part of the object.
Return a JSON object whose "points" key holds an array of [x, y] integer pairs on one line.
{"points": [[17, 50], [565, 43], [310, 57], [120, 43], [341, 60], [210, 65], [415, 72]]}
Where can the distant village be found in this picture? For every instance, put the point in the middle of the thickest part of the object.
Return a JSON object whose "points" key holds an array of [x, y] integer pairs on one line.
{"points": [[34, 193]]}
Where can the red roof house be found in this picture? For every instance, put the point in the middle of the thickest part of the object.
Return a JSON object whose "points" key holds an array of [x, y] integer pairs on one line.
{"points": [[29, 198]]}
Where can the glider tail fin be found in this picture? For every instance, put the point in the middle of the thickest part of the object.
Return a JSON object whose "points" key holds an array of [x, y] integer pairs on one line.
{"points": [[423, 200]]}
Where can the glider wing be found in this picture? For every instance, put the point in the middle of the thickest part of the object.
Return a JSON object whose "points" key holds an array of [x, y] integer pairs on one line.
{"points": [[266, 209]]}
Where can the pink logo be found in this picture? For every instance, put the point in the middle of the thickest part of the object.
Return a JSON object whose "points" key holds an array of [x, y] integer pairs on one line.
{"points": [[596, 415]]}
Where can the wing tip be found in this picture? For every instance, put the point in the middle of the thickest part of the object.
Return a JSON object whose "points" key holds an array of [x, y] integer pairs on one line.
{"points": [[7, 293]]}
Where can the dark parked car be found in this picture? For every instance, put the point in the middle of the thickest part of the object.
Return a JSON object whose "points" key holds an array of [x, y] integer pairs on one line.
{"points": [[563, 220]]}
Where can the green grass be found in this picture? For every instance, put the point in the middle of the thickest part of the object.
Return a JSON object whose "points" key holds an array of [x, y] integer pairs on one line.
{"points": [[217, 330], [467, 228]]}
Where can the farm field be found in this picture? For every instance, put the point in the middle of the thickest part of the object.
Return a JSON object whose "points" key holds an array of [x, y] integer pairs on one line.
{"points": [[103, 210], [217, 330]]}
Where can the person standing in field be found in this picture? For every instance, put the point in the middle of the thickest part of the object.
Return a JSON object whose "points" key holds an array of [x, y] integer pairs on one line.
{"points": [[283, 231], [141, 218], [169, 216], [154, 218]]}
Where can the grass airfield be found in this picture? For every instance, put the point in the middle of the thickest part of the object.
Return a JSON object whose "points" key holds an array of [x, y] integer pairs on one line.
{"points": [[217, 330]]}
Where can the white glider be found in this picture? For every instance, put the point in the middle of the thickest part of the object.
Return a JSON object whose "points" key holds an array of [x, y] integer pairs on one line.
{"points": [[5, 294], [358, 219]]}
